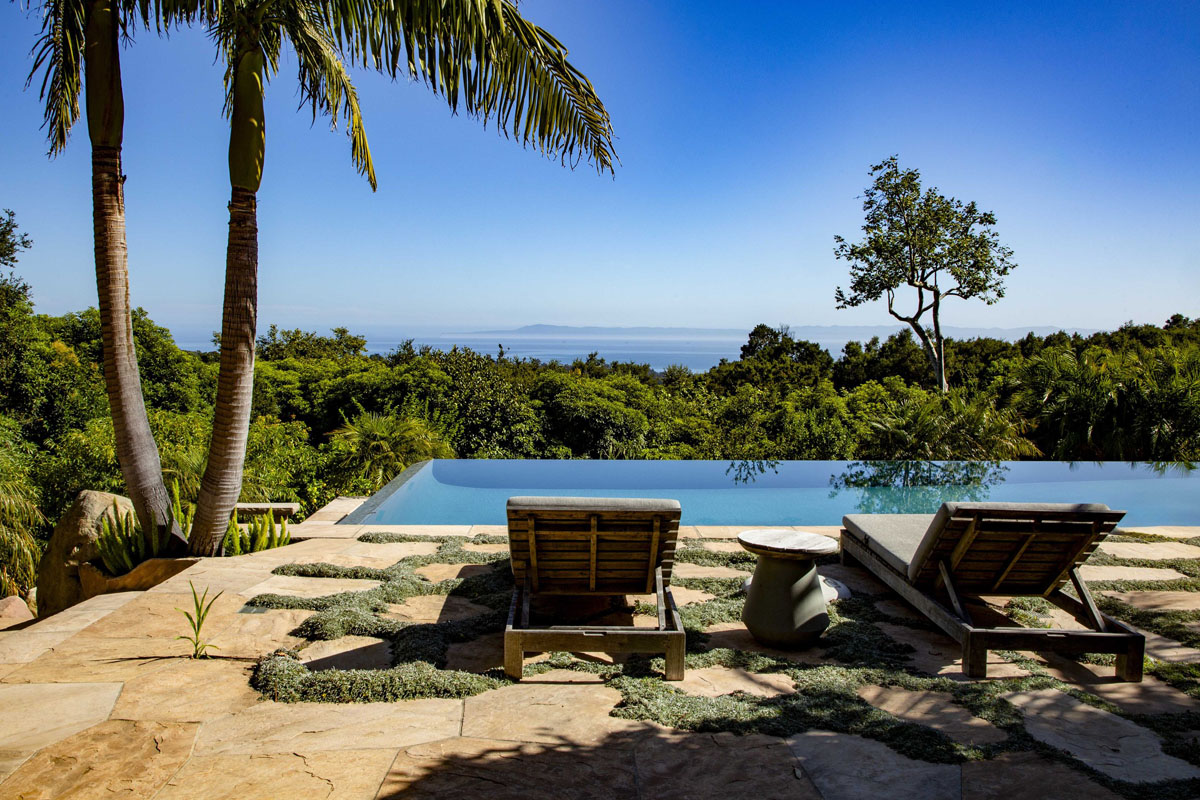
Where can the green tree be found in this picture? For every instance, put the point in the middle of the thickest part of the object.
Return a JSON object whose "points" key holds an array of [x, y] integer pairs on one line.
{"points": [[19, 515], [79, 50], [378, 447], [931, 243], [12, 241], [279, 344], [479, 52]]}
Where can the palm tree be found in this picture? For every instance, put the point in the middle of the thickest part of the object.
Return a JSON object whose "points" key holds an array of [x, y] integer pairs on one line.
{"points": [[378, 447], [480, 52], [79, 39]]}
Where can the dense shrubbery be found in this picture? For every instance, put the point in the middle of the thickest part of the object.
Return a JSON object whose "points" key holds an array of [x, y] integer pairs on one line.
{"points": [[330, 420]]}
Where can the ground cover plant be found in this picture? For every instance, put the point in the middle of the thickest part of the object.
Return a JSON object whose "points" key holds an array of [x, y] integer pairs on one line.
{"points": [[855, 653]]}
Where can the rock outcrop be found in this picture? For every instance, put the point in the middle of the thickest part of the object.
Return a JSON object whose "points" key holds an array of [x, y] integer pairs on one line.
{"points": [[73, 543], [13, 611]]}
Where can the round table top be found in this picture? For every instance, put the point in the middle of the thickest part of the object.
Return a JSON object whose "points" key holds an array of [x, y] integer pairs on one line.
{"points": [[782, 543]]}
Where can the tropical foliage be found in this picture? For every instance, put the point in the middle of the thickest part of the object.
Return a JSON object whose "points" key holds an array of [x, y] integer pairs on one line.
{"points": [[328, 419]]}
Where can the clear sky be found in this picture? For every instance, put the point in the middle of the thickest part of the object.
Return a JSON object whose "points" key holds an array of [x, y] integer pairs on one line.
{"points": [[745, 132]]}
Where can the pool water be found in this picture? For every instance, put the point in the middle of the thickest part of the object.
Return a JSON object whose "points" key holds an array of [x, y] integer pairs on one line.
{"points": [[462, 491]]}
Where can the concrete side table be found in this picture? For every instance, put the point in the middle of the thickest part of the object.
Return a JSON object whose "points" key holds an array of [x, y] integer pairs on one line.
{"points": [[785, 607]]}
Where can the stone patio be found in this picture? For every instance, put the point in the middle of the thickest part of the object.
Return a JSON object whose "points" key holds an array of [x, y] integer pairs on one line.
{"points": [[101, 701]]}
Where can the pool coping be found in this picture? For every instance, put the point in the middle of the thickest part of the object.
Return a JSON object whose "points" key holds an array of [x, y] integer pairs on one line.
{"points": [[360, 515]]}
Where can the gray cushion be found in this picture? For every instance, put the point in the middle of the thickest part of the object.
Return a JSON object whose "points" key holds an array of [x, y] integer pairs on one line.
{"points": [[892, 537], [649, 505]]}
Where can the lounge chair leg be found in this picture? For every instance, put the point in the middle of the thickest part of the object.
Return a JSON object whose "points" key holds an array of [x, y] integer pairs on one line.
{"points": [[676, 647], [514, 657], [974, 657], [1129, 665]]}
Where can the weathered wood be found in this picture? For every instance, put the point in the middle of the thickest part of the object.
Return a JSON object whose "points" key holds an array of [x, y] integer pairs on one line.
{"points": [[592, 554], [279, 511], [653, 552], [1107, 635], [948, 581], [531, 539], [600, 553], [1085, 597]]}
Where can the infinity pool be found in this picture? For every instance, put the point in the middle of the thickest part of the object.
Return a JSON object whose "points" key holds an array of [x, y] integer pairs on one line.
{"points": [[459, 492]]}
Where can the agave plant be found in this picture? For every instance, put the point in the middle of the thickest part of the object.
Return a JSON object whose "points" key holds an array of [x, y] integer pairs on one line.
{"points": [[261, 533], [122, 544]]}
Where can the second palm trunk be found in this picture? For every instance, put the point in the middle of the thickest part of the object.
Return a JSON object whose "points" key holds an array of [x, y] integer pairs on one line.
{"points": [[235, 380]]}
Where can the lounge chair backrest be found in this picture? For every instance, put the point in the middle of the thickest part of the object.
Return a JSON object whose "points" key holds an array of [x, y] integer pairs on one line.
{"points": [[592, 545], [1010, 548]]}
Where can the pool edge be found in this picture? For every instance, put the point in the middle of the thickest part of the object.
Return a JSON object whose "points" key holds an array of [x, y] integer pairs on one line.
{"points": [[360, 515]]}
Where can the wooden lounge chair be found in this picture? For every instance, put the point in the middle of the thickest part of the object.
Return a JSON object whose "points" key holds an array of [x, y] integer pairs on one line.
{"points": [[592, 546], [996, 549]]}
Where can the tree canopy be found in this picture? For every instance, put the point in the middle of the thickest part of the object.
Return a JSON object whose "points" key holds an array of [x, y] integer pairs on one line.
{"points": [[936, 245]]}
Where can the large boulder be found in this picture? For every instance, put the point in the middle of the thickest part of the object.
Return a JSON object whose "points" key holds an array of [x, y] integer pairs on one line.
{"points": [[13, 611], [73, 543]]}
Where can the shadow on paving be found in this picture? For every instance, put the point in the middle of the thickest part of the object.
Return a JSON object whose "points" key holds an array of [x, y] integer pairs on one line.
{"points": [[646, 762]]}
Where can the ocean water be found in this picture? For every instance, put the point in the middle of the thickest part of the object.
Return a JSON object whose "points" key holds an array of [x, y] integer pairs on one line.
{"points": [[698, 355]]}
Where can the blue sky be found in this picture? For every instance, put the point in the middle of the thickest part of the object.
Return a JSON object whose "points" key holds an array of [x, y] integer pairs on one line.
{"points": [[745, 131]]}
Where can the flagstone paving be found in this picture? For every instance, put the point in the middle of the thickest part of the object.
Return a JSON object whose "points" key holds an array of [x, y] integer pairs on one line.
{"points": [[1167, 531], [434, 608], [934, 709], [552, 708], [937, 654], [1094, 573], [296, 586], [716, 681], [1151, 551], [341, 775], [485, 548], [35, 715], [734, 636], [115, 758], [845, 767], [1151, 696], [99, 701], [270, 727], [157, 695], [683, 569], [722, 547], [1159, 601], [1108, 743], [255, 632], [348, 652], [733, 766], [436, 573], [1028, 776]]}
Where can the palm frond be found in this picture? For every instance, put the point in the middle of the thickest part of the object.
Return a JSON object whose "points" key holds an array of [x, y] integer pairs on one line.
{"points": [[486, 56], [324, 82], [58, 55]]}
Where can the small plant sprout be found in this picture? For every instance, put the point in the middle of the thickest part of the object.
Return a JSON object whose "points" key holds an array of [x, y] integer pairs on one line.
{"points": [[201, 606]]}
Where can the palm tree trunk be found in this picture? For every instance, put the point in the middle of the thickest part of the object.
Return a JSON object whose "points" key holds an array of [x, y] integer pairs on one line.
{"points": [[222, 481], [137, 453]]}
